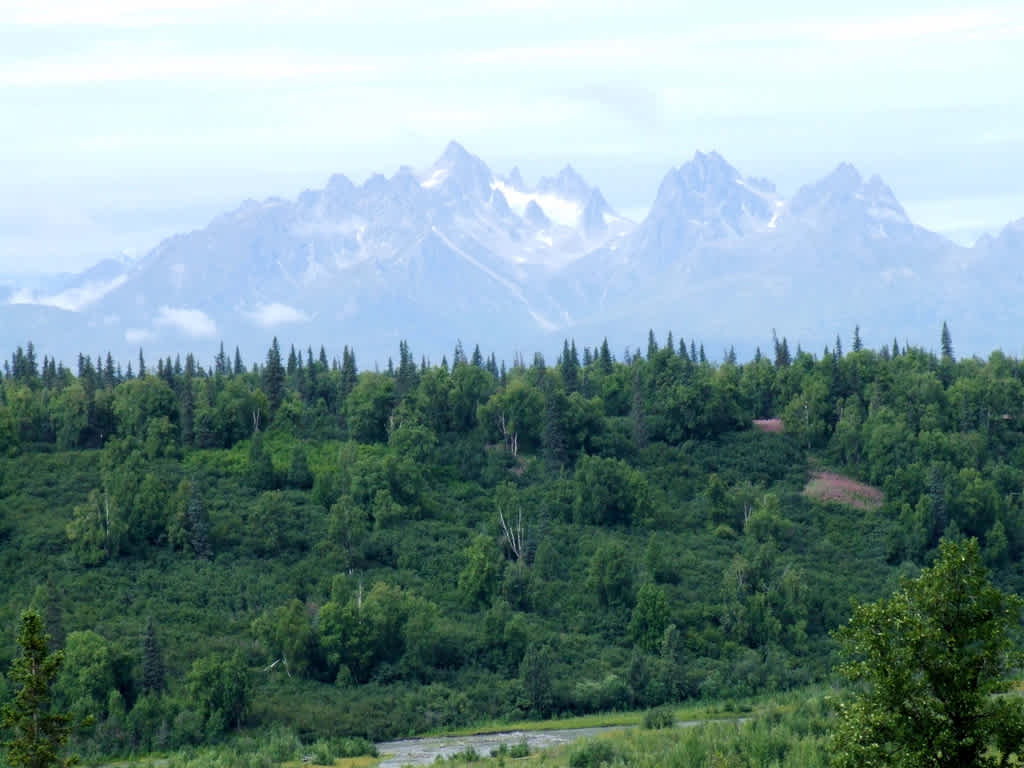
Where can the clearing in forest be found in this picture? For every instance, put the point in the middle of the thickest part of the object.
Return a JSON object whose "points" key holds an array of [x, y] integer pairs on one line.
{"points": [[829, 486]]}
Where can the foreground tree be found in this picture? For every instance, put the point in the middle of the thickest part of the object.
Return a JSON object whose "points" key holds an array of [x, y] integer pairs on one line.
{"points": [[930, 660], [36, 733]]}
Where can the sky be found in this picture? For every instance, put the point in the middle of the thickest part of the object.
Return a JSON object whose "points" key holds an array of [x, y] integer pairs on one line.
{"points": [[124, 121]]}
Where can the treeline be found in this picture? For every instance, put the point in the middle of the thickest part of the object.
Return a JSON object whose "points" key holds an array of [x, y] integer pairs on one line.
{"points": [[376, 553]]}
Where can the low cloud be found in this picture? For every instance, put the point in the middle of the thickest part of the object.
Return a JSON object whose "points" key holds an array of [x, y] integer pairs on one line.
{"points": [[270, 315], [73, 299], [194, 322]]}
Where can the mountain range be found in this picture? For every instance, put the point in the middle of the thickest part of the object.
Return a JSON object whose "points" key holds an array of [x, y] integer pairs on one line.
{"points": [[456, 251]]}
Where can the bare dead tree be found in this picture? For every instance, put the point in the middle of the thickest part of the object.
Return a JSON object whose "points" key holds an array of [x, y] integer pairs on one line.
{"points": [[513, 533], [510, 439]]}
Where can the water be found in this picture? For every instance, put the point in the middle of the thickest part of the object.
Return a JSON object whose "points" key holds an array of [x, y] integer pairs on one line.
{"points": [[395, 754], [424, 751]]}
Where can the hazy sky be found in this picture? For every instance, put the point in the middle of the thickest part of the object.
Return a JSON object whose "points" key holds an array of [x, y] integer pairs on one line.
{"points": [[122, 121]]}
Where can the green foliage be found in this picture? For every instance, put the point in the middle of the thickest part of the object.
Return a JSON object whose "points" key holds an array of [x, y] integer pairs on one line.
{"points": [[35, 732], [479, 578], [592, 753], [219, 686], [650, 617], [88, 676], [610, 575], [154, 679], [536, 673], [666, 551], [608, 492], [932, 657], [659, 717]]}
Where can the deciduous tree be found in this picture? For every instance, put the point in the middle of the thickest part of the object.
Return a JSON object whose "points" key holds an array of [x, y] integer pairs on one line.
{"points": [[931, 659]]}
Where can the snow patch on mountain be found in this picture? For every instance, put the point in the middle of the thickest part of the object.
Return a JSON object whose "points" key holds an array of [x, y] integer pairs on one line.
{"points": [[435, 179], [558, 209], [513, 289]]}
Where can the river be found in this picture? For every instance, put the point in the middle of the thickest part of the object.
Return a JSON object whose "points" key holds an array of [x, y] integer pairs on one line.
{"points": [[395, 754]]}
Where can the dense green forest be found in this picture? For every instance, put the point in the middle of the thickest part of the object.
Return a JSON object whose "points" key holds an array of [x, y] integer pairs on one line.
{"points": [[377, 553]]}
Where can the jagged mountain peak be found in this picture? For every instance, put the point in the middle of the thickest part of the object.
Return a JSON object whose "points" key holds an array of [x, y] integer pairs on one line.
{"points": [[454, 152], [592, 219], [459, 174], [560, 255], [1010, 235], [500, 203], [568, 184], [704, 200], [707, 198], [515, 179], [844, 198], [535, 215], [597, 201], [339, 185], [707, 168]]}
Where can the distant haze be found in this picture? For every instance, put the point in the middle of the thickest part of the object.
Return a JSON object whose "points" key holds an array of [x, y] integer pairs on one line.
{"points": [[126, 121]]}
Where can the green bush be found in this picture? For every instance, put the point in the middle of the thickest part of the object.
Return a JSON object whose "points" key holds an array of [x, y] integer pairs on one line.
{"points": [[522, 749], [321, 753], [592, 753], [659, 717]]}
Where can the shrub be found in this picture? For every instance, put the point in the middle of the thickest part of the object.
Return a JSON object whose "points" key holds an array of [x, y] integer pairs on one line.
{"points": [[592, 754], [522, 749], [322, 753], [660, 717]]}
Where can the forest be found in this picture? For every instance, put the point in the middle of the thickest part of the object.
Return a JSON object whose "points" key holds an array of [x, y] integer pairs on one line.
{"points": [[364, 554]]}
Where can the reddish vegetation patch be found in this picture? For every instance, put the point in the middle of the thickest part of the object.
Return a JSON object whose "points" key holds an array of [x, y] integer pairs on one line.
{"points": [[768, 425], [828, 486]]}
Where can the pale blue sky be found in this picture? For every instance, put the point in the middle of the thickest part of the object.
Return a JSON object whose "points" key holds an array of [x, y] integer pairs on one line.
{"points": [[122, 121]]}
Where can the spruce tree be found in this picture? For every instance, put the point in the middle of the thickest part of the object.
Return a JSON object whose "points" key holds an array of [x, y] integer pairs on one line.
{"points": [[552, 436], [153, 673], [569, 365], [349, 373], [37, 732], [605, 359], [273, 376], [220, 363], [947, 344]]}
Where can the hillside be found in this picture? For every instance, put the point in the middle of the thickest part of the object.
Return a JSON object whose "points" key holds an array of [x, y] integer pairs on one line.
{"points": [[376, 554]]}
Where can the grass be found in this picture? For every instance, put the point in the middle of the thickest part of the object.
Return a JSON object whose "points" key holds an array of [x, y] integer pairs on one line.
{"points": [[342, 762], [705, 711]]}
